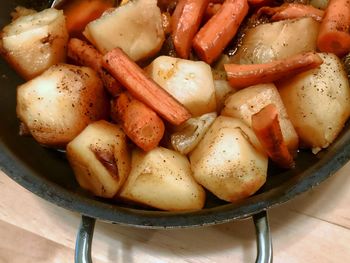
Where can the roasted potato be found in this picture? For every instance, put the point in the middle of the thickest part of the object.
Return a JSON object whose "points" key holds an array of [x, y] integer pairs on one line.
{"points": [[277, 40], [32, 43], [162, 179], [318, 102], [189, 134], [135, 27], [100, 158], [246, 102], [227, 161], [222, 90], [190, 82], [57, 105]]}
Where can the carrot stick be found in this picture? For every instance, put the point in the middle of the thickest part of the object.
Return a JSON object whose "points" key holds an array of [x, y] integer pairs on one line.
{"points": [[185, 21], [86, 55], [214, 36], [267, 129], [334, 34], [80, 12], [291, 11], [134, 79], [140, 123], [258, 3], [241, 76]]}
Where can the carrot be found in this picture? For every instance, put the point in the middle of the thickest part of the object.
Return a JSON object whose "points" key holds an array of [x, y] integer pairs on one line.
{"points": [[186, 19], [86, 55], [241, 76], [135, 80], [267, 129], [334, 33], [291, 11], [214, 36], [258, 3], [80, 12], [140, 123]]}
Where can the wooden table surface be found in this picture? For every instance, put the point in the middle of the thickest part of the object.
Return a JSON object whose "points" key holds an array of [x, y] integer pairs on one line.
{"points": [[314, 227]]}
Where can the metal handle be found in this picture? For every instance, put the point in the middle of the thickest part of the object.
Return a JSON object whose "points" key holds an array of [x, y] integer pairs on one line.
{"points": [[84, 240], [263, 238]]}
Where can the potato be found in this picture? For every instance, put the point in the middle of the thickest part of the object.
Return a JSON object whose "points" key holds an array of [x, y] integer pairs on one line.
{"points": [[135, 27], [318, 102], [100, 158], [226, 161], [246, 102], [190, 133], [222, 90], [277, 40], [57, 105], [190, 82], [34, 42], [162, 179]]}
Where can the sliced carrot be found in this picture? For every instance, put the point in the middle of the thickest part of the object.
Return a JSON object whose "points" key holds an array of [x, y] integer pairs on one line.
{"points": [[241, 76], [86, 55], [214, 36], [186, 19], [141, 87], [258, 3], [140, 123], [80, 12], [334, 34], [267, 129]]}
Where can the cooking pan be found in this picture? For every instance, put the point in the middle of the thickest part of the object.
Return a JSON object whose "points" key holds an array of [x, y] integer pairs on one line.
{"points": [[47, 174]]}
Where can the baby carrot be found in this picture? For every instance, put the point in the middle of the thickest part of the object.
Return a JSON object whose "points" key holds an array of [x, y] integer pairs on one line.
{"points": [[214, 36], [211, 10], [291, 11], [241, 76], [267, 129], [86, 55], [185, 21], [334, 34], [141, 87], [140, 123]]}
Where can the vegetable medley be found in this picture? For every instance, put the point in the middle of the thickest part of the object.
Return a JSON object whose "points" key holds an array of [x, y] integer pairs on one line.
{"points": [[155, 101]]}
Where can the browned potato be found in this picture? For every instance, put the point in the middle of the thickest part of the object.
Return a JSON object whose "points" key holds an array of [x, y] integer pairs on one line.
{"points": [[57, 105], [318, 102], [100, 158], [228, 161], [246, 102], [162, 178], [34, 42]]}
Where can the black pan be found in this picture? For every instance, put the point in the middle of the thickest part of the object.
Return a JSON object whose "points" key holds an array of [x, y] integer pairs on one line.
{"points": [[47, 174]]}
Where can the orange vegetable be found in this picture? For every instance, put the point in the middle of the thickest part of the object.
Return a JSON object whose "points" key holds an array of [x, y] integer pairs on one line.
{"points": [[80, 12], [241, 76], [86, 55], [211, 10], [291, 11], [267, 129], [185, 22], [140, 123], [334, 34], [141, 87], [214, 36]]}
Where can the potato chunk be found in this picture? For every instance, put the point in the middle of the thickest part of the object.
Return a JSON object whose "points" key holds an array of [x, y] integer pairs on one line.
{"points": [[57, 105], [32, 43], [162, 179], [277, 40], [318, 102], [190, 82], [135, 27], [100, 158], [246, 102], [227, 163]]}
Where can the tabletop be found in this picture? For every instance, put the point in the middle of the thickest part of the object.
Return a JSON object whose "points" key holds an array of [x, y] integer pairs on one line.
{"points": [[314, 227]]}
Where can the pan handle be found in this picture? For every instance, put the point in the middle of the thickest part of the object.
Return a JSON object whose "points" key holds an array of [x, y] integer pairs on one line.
{"points": [[84, 240], [263, 238]]}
